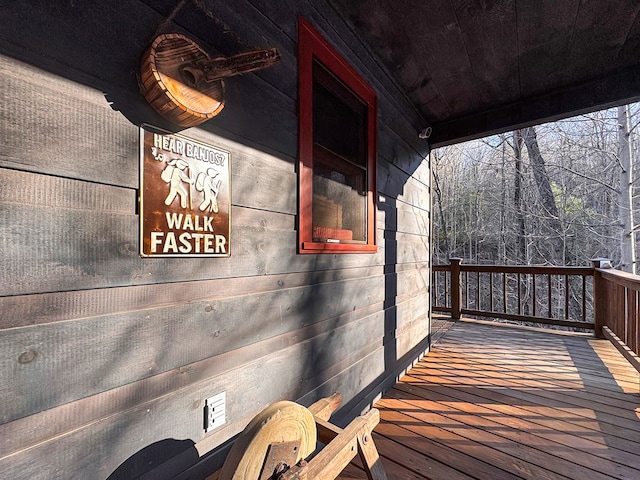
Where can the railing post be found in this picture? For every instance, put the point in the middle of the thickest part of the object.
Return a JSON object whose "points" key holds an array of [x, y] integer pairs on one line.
{"points": [[599, 296], [456, 288]]}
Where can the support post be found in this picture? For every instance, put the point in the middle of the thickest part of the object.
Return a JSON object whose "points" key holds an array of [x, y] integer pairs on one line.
{"points": [[599, 296], [456, 288]]}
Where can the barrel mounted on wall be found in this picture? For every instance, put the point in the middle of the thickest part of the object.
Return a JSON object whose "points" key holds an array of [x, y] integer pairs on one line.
{"points": [[185, 85]]}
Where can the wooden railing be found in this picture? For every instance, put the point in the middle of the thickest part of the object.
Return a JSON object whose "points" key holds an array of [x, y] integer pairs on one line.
{"points": [[591, 298], [617, 315], [560, 296]]}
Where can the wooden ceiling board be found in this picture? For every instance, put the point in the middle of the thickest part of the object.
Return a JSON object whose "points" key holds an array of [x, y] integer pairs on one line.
{"points": [[544, 21], [441, 60], [545, 29], [600, 33], [401, 38], [628, 54], [541, 69], [435, 58], [489, 31]]}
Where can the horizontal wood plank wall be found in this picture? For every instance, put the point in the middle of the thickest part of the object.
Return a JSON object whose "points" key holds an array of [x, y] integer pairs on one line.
{"points": [[107, 357]]}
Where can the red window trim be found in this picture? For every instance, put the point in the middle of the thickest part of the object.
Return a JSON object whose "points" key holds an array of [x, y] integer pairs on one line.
{"points": [[312, 45]]}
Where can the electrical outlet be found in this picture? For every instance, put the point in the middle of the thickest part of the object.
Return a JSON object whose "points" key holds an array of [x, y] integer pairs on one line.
{"points": [[214, 411]]}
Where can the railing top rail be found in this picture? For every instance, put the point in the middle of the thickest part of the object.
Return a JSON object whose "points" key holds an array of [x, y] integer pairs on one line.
{"points": [[534, 269], [528, 269], [441, 268], [628, 280]]}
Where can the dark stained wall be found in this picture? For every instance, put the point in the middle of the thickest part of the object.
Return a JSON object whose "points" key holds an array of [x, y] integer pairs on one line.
{"points": [[105, 357]]}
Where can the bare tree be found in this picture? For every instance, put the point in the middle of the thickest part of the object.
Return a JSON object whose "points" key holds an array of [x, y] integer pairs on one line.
{"points": [[517, 199], [442, 219], [554, 228], [625, 193], [547, 194]]}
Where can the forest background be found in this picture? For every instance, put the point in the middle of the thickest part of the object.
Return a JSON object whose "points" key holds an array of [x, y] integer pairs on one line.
{"points": [[560, 193]]}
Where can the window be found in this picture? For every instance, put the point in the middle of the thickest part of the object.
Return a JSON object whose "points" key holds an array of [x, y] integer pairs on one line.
{"points": [[337, 151]]}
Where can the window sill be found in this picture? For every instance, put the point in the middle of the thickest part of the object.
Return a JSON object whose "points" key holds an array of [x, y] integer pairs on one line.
{"points": [[316, 247]]}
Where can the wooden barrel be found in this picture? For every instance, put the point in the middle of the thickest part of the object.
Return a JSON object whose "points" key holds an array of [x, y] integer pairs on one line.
{"points": [[163, 86]]}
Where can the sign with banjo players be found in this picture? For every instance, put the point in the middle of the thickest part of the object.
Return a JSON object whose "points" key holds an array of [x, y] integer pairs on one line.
{"points": [[185, 197]]}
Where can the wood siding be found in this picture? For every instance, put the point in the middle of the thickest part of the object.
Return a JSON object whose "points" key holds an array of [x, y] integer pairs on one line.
{"points": [[107, 357]]}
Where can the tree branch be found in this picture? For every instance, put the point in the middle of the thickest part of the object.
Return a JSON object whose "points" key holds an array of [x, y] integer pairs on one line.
{"points": [[587, 177]]}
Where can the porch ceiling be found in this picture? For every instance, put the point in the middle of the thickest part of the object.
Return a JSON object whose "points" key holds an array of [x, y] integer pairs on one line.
{"points": [[476, 67]]}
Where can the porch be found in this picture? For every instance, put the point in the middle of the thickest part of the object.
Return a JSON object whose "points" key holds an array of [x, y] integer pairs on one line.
{"points": [[494, 401], [513, 400]]}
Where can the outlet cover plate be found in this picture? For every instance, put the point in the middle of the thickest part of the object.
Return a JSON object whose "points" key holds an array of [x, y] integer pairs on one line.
{"points": [[215, 411]]}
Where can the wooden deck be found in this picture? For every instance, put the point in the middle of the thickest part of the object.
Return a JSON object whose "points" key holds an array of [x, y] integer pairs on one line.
{"points": [[496, 402]]}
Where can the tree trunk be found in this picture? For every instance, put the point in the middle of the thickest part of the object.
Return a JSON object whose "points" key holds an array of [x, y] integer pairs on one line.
{"points": [[546, 195], [521, 245], [443, 220], [625, 206], [502, 246]]}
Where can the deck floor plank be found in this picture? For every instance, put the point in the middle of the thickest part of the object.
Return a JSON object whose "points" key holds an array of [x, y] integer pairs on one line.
{"points": [[497, 402], [605, 398], [394, 471], [547, 417], [428, 441]]}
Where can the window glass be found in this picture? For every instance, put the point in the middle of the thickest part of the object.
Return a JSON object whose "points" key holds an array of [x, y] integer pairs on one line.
{"points": [[339, 162]]}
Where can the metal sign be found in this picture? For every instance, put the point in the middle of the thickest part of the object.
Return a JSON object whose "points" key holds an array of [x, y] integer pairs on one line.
{"points": [[185, 197]]}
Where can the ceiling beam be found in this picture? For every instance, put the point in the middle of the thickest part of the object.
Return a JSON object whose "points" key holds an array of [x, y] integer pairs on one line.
{"points": [[615, 89]]}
